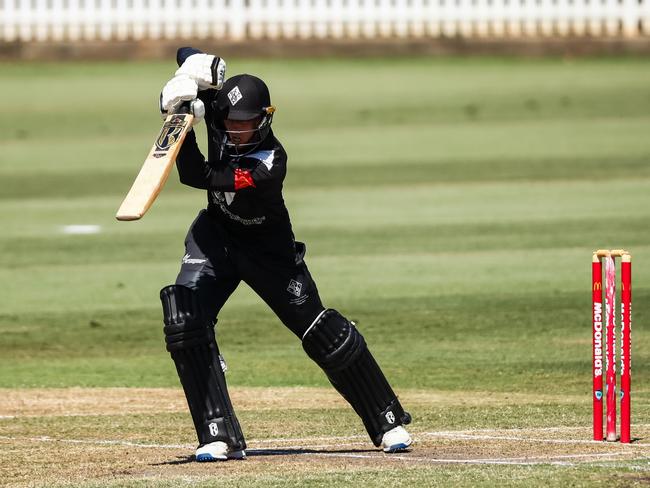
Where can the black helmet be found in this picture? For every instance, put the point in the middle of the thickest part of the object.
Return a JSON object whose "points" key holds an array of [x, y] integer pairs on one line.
{"points": [[243, 97]]}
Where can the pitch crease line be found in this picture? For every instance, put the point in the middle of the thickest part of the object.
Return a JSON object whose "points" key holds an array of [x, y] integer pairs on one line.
{"points": [[362, 439], [307, 442], [498, 461], [527, 439], [101, 442], [533, 460]]}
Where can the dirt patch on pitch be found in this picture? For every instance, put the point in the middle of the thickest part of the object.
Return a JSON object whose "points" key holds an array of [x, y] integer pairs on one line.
{"points": [[92, 461], [105, 436], [116, 401]]}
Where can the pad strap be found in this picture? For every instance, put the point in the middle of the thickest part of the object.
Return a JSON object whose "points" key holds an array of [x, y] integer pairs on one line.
{"points": [[340, 350], [191, 342]]}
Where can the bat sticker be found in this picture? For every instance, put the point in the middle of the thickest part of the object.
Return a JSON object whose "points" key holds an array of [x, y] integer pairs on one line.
{"points": [[170, 132]]}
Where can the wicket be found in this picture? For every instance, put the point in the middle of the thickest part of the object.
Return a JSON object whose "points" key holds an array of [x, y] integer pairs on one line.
{"points": [[609, 321]]}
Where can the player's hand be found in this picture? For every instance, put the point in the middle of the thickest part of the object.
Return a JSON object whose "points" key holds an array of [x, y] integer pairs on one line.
{"points": [[207, 70], [174, 95], [197, 108], [181, 88]]}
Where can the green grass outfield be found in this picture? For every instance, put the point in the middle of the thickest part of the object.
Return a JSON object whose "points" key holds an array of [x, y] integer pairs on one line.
{"points": [[449, 206]]}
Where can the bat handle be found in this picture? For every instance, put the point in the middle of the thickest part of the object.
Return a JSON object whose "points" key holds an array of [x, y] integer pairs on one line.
{"points": [[184, 108]]}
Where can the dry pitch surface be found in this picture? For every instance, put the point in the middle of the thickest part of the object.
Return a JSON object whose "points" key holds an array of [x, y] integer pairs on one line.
{"points": [[102, 436]]}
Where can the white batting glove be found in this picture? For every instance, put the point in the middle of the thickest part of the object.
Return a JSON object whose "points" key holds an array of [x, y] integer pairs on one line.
{"points": [[197, 108], [207, 70], [179, 89]]}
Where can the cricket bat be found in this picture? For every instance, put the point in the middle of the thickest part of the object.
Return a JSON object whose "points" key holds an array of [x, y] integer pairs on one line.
{"points": [[156, 167]]}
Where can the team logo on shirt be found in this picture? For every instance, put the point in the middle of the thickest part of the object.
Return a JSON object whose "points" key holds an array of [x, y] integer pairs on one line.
{"points": [[234, 96], [295, 287], [220, 199]]}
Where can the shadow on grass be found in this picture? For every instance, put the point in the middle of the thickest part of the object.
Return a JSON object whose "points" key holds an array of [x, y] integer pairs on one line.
{"points": [[179, 460], [271, 452], [294, 452]]}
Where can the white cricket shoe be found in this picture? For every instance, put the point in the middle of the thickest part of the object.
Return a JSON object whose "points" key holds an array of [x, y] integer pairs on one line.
{"points": [[217, 451], [397, 439]]}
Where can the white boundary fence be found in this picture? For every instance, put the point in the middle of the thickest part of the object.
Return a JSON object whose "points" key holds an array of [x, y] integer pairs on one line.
{"points": [[59, 20]]}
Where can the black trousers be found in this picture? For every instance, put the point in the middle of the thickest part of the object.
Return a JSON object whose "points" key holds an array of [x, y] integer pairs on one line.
{"points": [[213, 267]]}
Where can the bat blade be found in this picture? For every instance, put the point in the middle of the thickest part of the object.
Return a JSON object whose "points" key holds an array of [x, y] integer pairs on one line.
{"points": [[156, 167]]}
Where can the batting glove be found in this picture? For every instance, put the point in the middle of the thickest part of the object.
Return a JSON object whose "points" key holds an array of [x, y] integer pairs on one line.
{"points": [[179, 89], [197, 108], [207, 70]]}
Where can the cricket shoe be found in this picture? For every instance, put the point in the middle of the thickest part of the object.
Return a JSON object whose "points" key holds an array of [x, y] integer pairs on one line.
{"points": [[397, 439], [217, 451]]}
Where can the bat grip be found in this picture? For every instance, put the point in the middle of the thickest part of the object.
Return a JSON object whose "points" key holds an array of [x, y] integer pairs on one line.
{"points": [[184, 108]]}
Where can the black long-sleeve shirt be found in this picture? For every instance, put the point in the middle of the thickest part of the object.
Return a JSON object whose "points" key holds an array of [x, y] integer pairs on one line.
{"points": [[244, 193]]}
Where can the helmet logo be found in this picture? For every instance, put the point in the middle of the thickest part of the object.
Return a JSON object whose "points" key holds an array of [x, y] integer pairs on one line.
{"points": [[234, 96]]}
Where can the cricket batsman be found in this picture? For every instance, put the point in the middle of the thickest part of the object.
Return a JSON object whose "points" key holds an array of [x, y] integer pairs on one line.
{"points": [[245, 234]]}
